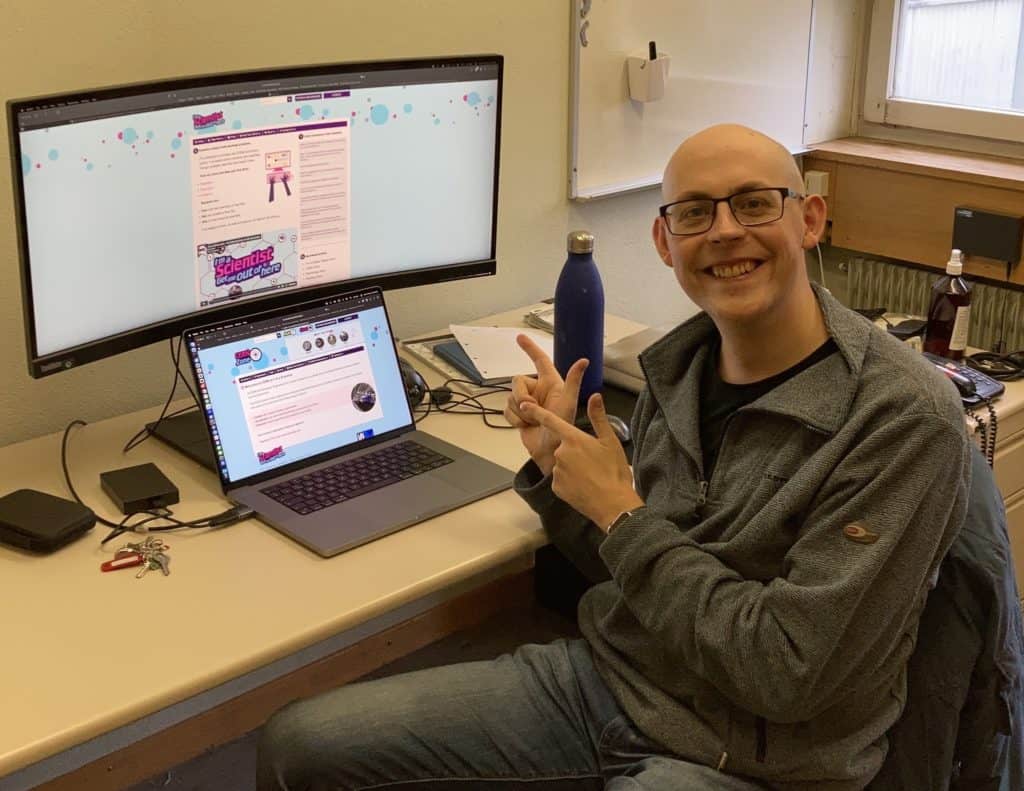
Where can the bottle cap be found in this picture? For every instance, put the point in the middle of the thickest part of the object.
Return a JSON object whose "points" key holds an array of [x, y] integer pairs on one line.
{"points": [[580, 242], [955, 265]]}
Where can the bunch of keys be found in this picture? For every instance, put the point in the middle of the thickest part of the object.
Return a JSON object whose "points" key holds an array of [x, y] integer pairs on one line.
{"points": [[150, 554]]}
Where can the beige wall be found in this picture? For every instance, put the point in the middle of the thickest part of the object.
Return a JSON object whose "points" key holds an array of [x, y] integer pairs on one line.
{"points": [[48, 46]]}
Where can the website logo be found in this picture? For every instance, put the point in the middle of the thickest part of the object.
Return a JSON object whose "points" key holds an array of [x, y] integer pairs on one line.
{"points": [[246, 356], [267, 456], [201, 122]]}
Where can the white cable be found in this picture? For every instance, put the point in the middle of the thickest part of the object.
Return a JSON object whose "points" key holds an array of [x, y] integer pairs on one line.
{"points": [[821, 266]]}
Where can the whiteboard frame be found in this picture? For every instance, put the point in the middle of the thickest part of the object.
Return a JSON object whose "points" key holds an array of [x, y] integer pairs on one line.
{"points": [[578, 9]]}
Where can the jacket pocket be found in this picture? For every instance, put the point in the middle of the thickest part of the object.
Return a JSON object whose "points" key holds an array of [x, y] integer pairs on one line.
{"points": [[761, 726]]}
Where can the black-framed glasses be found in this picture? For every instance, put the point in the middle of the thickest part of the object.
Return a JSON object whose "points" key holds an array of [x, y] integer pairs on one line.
{"points": [[749, 207]]}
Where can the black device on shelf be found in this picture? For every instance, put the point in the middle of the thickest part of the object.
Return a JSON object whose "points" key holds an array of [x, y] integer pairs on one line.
{"points": [[988, 233]]}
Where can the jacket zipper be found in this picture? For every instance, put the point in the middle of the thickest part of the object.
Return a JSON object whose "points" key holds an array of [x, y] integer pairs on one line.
{"points": [[702, 484], [762, 739]]}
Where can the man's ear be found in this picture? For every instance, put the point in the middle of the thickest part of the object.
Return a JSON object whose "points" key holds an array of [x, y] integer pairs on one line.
{"points": [[815, 214], [658, 233]]}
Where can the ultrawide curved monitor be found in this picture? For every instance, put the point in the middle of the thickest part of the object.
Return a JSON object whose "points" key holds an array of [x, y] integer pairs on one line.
{"points": [[147, 209]]}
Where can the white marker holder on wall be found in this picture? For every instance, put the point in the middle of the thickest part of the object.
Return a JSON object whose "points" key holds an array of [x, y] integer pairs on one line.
{"points": [[647, 78]]}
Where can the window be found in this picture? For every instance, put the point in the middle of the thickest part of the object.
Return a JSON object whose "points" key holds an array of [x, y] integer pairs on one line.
{"points": [[952, 65]]}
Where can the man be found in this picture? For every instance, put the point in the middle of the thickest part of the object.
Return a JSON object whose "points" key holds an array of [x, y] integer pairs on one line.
{"points": [[798, 475]]}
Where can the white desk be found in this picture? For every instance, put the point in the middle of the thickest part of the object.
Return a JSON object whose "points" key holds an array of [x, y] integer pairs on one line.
{"points": [[95, 662]]}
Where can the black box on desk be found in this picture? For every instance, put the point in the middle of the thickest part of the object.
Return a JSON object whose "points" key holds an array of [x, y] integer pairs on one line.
{"points": [[41, 522], [140, 488]]}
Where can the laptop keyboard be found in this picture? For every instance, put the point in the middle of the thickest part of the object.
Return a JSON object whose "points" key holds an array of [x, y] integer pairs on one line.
{"points": [[353, 477]]}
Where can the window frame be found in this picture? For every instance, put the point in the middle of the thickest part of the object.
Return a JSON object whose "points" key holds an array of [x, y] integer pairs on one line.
{"points": [[880, 106]]}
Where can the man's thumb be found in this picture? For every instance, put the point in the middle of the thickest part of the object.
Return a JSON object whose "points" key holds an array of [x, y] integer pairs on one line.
{"points": [[599, 417]]}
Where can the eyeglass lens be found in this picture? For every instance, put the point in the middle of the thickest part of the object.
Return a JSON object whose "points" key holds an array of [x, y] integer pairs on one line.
{"points": [[749, 208]]}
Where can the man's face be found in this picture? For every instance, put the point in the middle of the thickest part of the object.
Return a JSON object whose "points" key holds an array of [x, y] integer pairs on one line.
{"points": [[737, 273]]}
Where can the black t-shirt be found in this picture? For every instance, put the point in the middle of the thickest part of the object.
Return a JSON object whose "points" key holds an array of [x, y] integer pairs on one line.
{"points": [[718, 399]]}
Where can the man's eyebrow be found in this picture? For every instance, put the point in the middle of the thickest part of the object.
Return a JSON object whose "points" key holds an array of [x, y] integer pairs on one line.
{"points": [[698, 194]]}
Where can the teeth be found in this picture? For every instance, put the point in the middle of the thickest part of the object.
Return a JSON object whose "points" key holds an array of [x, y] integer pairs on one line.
{"points": [[733, 270]]}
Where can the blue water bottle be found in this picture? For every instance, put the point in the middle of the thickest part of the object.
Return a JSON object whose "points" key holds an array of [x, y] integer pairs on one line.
{"points": [[579, 314]]}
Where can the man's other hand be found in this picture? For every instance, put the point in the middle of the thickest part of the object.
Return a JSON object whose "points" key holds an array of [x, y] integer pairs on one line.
{"points": [[591, 474]]}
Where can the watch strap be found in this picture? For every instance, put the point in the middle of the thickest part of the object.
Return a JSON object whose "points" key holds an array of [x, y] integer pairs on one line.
{"points": [[617, 521]]}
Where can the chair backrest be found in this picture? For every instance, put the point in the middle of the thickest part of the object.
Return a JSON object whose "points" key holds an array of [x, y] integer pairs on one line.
{"points": [[963, 724]]}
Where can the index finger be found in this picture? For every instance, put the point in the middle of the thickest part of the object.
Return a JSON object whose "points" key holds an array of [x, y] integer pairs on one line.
{"points": [[540, 359], [549, 420]]}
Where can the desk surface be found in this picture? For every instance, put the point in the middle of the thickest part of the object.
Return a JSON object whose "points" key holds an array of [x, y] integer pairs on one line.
{"points": [[86, 652]]}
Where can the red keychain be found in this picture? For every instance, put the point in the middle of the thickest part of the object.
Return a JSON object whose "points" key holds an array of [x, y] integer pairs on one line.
{"points": [[123, 561]]}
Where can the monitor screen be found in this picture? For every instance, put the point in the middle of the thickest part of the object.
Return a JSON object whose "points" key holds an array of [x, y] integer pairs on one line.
{"points": [[148, 209]]}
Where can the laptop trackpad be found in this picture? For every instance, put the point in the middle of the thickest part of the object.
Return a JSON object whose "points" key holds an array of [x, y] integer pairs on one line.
{"points": [[412, 499]]}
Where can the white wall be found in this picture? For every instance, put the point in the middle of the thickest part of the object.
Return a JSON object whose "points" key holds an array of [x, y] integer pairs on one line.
{"points": [[49, 46], [835, 54]]}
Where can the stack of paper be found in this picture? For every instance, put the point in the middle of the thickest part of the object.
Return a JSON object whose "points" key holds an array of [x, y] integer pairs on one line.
{"points": [[494, 350], [543, 318]]}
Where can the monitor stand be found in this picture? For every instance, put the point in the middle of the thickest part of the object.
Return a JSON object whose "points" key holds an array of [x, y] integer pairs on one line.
{"points": [[187, 433]]}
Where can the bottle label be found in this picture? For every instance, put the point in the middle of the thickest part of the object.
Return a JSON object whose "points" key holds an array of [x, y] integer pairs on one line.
{"points": [[958, 340]]}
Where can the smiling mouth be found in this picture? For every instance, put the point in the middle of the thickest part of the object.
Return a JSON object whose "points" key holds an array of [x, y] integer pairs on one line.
{"points": [[733, 269]]}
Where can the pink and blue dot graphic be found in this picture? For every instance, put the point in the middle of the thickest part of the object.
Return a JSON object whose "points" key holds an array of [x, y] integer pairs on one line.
{"points": [[246, 116]]}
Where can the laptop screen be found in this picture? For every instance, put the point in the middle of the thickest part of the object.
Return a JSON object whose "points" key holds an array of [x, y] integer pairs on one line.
{"points": [[290, 385]]}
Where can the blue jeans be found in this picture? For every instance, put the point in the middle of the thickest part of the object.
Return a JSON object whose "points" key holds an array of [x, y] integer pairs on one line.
{"points": [[538, 719]]}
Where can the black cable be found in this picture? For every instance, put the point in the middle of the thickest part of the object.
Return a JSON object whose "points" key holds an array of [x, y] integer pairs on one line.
{"points": [[466, 404], [1004, 367], [147, 431], [423, 414], [227, 517]]}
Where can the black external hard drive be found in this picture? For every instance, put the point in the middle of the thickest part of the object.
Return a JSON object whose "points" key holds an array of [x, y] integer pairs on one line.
{"points": [[41, 522], [139, 488]]}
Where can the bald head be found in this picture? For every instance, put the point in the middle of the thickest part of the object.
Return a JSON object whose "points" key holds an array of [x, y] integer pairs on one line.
{"points": [[725, 158]]}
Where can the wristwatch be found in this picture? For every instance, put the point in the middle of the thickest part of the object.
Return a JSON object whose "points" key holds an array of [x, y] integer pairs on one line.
{"points": [[622, 518]]}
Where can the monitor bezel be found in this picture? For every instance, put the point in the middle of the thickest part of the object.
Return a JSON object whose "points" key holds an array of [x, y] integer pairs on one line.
{"points": [[41, 365]]}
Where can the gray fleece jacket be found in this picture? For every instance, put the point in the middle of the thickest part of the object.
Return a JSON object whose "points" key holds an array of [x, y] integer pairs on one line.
{"points": [[761, 621]]}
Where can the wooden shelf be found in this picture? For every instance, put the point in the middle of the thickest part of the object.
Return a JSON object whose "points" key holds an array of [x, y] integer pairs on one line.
{"points": [[897, 201], [923, 160]]}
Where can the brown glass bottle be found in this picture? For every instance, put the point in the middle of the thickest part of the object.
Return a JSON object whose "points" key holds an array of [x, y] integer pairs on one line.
{"points": [[949, 314]]}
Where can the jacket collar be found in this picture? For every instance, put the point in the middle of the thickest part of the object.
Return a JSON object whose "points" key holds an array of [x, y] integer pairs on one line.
{"points": [[818, 397]]}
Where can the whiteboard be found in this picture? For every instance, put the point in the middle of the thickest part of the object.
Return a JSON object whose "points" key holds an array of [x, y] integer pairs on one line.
{"points": [[737, 61]]}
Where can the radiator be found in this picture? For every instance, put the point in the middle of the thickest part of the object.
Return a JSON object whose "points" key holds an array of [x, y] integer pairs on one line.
{"points": [[997, 314]]}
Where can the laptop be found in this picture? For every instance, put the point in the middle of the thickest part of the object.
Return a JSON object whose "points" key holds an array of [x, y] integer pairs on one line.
{"points": [[312, 429]]}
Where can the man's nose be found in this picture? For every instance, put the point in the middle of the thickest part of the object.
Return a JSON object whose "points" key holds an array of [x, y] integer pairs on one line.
{"points": [[724, 226]]}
